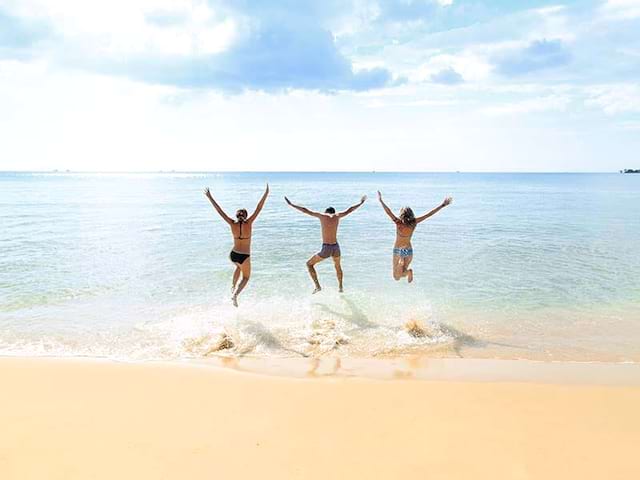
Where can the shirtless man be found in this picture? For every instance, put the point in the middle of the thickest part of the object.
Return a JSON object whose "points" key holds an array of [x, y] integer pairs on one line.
{"points": [[329, 221]]}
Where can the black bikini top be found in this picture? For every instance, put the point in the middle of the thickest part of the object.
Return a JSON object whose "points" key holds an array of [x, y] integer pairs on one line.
{"points": [[240, 237]]}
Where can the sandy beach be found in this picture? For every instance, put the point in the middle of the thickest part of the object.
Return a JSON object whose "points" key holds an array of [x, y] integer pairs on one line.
{"points": [[79, 419]]}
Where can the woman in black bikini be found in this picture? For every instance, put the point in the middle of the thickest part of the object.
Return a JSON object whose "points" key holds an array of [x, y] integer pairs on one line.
{"points": [[241, 231]]}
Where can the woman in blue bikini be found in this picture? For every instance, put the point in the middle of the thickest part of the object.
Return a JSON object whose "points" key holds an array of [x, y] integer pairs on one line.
{"points": [[405, 226], [241, 229]]}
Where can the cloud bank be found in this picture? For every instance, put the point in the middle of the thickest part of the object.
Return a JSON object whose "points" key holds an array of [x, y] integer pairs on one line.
{"points": [[538, 55], [447, 76], [19, 36]]}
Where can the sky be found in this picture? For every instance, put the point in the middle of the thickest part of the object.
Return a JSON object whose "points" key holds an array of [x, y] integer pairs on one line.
{"points": [[361, 85]]}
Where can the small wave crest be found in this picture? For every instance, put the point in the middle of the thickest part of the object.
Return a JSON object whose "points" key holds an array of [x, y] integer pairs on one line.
{"points": [[342, 325], [315, 328]]}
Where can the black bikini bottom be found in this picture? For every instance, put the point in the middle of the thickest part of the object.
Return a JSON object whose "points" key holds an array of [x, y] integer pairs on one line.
{"points": [[238, 257]]}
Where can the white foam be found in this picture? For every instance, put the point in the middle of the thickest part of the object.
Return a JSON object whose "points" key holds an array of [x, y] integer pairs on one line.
{"points": [[311, 326]]}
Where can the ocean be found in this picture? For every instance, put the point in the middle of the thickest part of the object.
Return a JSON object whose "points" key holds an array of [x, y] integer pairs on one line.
{"points": [[134, 266]]}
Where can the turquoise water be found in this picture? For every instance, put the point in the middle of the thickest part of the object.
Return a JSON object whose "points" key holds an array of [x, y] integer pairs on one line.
{"points": [[136, 266]]}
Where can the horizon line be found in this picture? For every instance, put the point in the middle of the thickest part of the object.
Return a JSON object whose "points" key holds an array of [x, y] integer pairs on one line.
{"points": [[65, 171]]}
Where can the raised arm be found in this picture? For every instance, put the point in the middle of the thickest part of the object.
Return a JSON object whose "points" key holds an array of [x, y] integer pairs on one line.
{"points": [[352, 208], [218, 208], [387, 209], [303, 209], [444, 203], [255, 214]]}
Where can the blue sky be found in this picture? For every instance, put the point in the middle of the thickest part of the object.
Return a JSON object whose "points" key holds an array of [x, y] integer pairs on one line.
{"points": [[434, 85]]}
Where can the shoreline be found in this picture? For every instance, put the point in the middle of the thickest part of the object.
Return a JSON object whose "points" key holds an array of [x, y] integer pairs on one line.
{"points": [[410, 367]]}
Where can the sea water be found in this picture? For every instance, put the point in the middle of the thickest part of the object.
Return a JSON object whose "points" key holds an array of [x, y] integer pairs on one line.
{"points": [[135, 266]]}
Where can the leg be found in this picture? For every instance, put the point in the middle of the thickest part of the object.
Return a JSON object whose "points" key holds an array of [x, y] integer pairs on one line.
{"points": [[336, 263], [397, 267], [409, 271], [236, 276], [312, 271], [401, 267], [245, 268]]}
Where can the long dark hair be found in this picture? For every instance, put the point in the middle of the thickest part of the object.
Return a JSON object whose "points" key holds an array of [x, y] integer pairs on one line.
{"points": [[407, 217]]}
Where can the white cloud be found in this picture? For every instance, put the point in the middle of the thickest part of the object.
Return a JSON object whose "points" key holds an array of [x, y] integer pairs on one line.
{"points": [[630, 126], [615, 99], [379, 103], [554, 22], [126, 124], [551, 103], [621, 9], [120, 27], [470, 65]]}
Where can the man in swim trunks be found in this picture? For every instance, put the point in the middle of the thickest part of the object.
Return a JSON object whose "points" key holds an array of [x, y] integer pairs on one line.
{"points": [[329, 221]]}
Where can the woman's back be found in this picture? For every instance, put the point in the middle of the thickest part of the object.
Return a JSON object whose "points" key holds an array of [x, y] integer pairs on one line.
{"points": [[404, 234], [241, 231]]}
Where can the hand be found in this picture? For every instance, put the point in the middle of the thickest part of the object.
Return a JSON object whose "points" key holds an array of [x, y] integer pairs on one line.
{"points": [[379, 195], [207, 193], [288, 201], [447, 201], [362, 200]]}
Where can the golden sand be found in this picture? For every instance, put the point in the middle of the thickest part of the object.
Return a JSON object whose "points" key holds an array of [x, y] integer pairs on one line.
{"points": [[71, 419]]}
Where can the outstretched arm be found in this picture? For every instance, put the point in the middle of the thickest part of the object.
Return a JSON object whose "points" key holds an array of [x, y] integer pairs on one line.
{"points": [[387, 209], [444, 203], [218, 208], [255, 214], [353, 207], [303, 209]]}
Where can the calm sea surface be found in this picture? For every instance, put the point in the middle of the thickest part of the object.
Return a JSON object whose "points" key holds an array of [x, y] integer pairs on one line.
{"points": [[135, 266]]}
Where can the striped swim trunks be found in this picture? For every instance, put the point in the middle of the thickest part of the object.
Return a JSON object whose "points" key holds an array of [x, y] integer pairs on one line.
{"points": [[403, 252]]}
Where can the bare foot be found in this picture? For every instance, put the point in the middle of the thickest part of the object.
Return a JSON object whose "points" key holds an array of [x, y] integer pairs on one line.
{"points": [[234, 299], [410, 275], [340, 289], [318, 288]]}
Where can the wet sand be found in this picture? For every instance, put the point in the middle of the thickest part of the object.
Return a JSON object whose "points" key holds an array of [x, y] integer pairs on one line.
{"points": [[79, 419]]}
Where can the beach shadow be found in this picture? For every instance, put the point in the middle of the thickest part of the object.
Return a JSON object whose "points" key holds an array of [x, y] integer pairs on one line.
{"points": [[461, 339], [355, 315], [315, 364], [269, 339]]}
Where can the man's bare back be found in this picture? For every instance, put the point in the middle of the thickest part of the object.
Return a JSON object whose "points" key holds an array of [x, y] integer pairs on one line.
{"points": [[329, 224]]}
